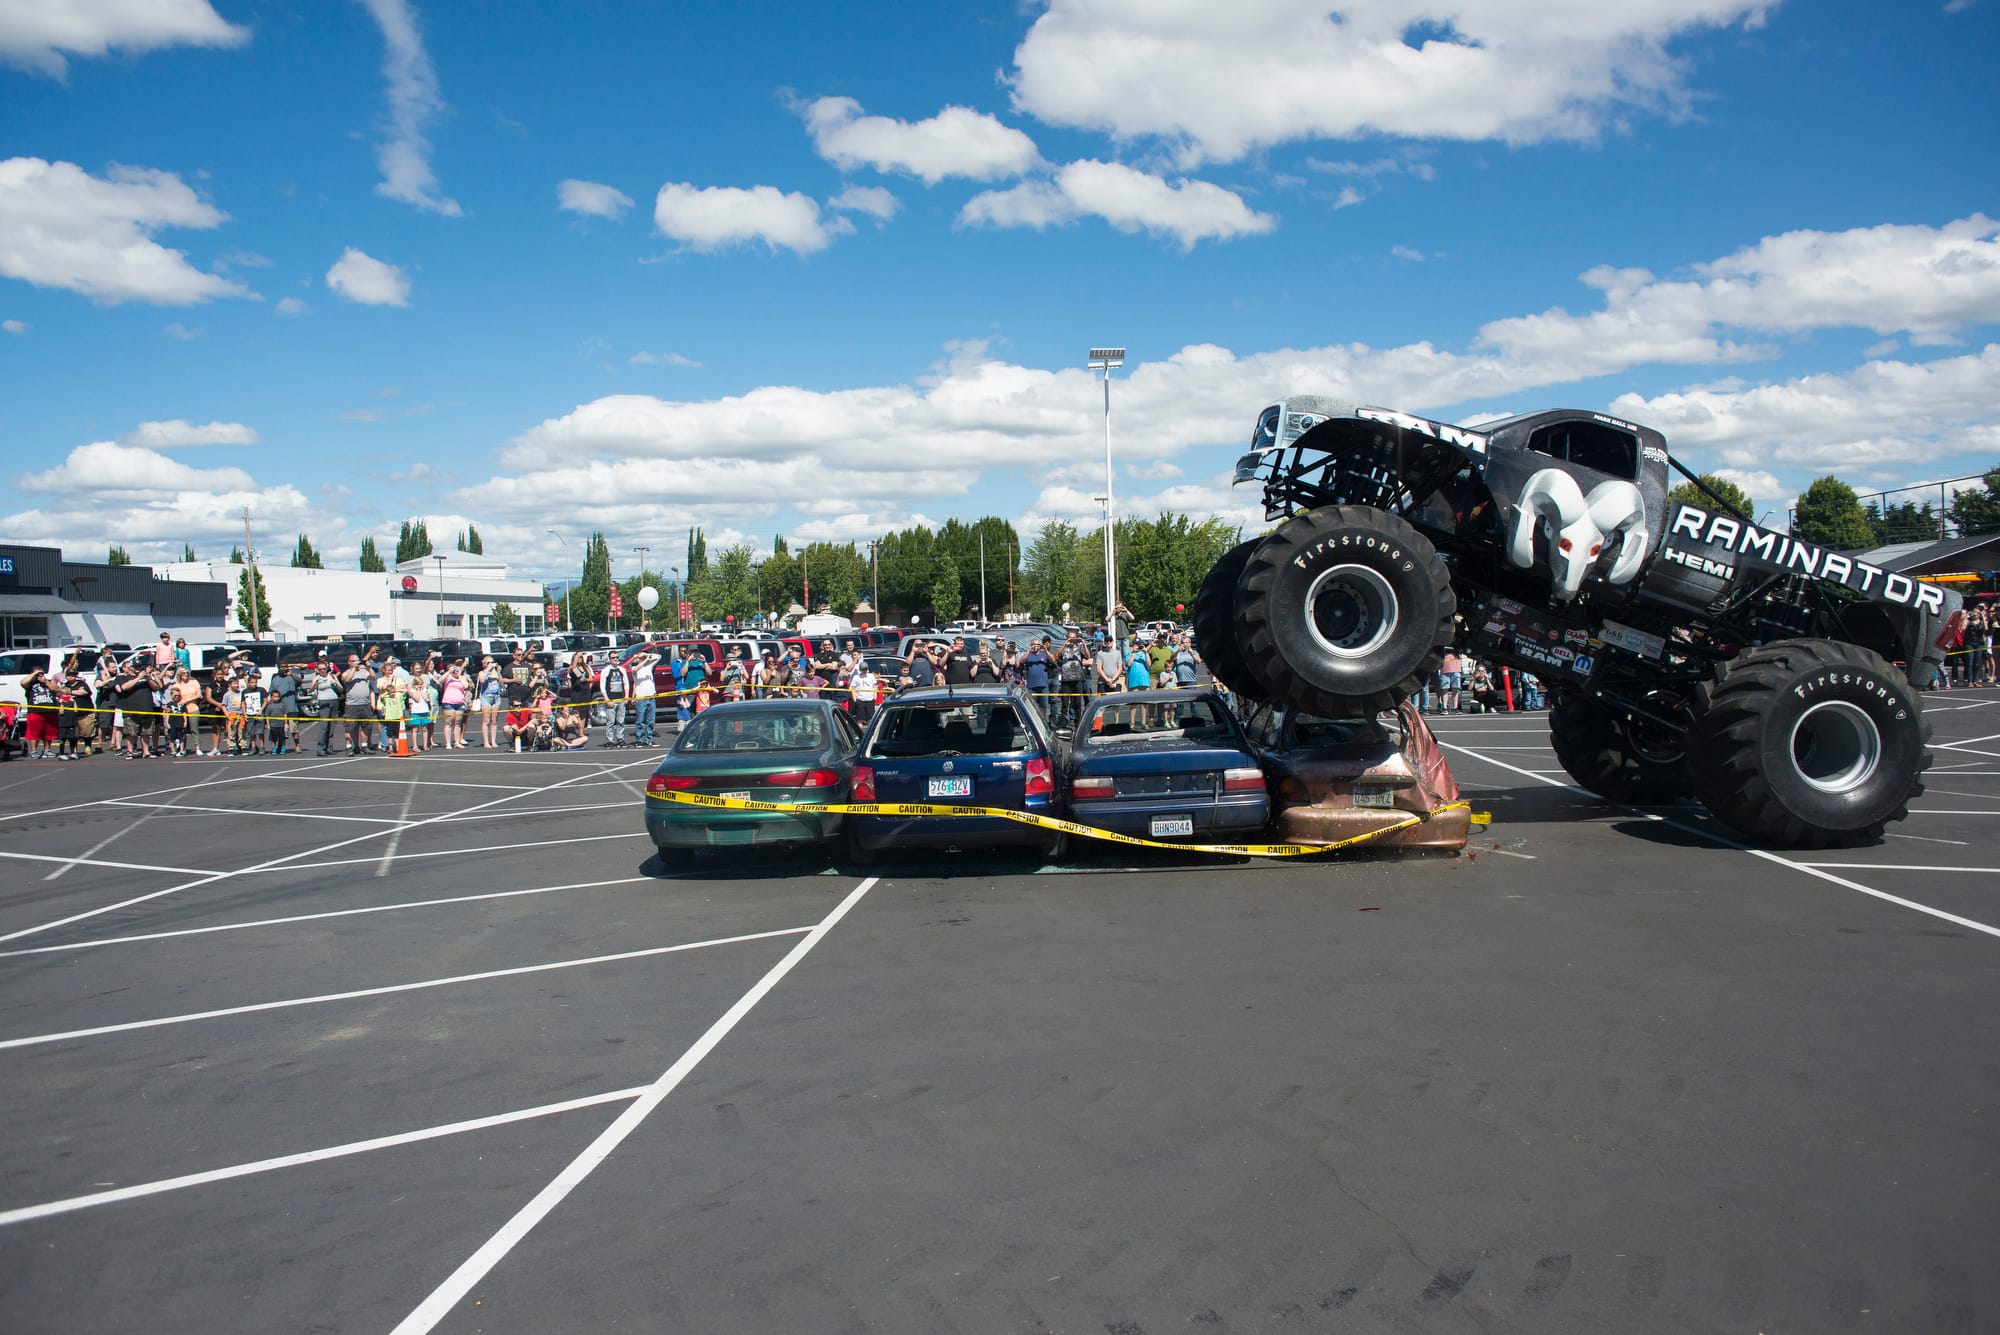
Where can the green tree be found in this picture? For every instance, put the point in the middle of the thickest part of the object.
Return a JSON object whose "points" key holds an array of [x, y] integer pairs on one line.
{"points": [[187, 552], [1977, 511], [304, 557], [838, 572], [413, 541], [1162, 562], [236, 556], [250, 594], [1830, 514], [1047, 567], [1736, 499], [905, 561], [468, 541], [370, 558], [590, 596], [697, 561], [506, 618], [118, 557], [780, 579], [946, 592], [1907, 522]]}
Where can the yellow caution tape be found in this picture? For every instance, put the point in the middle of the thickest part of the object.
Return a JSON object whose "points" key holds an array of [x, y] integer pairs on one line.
{"points": [[1048, 822]]}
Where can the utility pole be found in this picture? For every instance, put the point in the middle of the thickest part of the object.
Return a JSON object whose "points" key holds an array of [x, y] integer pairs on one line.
{"points": [[255, 587], [439, 558], [982, 575], [640, 585], [875, 573], [1108, 360]]}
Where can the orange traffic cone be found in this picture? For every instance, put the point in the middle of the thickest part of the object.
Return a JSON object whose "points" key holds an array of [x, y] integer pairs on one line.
{"points": [[402, 742]]}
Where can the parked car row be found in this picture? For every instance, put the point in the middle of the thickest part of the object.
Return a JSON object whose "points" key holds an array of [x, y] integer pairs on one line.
{"points": [[1168, 765]]}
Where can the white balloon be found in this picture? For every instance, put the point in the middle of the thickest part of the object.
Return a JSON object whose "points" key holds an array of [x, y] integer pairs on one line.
{"points": [[649, 597]]}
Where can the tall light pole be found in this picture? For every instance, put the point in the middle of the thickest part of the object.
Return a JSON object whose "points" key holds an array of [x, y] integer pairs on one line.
{"points": [[1108, 360], [640, 585], [676, 586], [982, 575], [566, 581], [439, 558], [875, 574]]}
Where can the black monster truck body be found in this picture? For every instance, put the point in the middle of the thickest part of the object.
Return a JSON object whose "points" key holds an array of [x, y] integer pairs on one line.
{"points": [[1687, 651]]}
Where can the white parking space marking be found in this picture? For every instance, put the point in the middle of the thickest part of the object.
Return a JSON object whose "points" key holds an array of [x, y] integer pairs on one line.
{"points": [[1901, 866], [319, 917], [495, 1249], [446, 852], [1922, 839], [71, 1204], [238, 811], [1714, 838], [162, 792], [1968, 750], [454, 817], [119, 833], [396, 836], [212, 878], [38, 1040], [397, 778], [98, 862], [1947, 792], [1949, 811]]}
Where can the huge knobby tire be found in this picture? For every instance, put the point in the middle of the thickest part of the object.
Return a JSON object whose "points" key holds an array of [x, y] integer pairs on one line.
{"points": [[1615, 757], [1214, 623], [1806, 743], [1344, 611]]}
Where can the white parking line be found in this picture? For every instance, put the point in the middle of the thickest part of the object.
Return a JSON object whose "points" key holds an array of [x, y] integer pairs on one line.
{"points": [[397, 778], [1714, 838], [396, 836], [116, 835], [446, 1296], [37, 1040], [26, 1213], [212, 878], [162, 792], [1900, 866], [317, 917], [1968, 741], [98, 862], [448, 853], [151, 808]]}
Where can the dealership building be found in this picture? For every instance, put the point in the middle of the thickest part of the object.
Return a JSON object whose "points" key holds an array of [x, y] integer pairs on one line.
{"points": [[446, 595], [49, 603]]}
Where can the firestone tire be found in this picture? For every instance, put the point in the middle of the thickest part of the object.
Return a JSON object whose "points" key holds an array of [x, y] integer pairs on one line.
{"points": [[1806, 743], [1214, 623], [1344, 611], [1614, 757]]}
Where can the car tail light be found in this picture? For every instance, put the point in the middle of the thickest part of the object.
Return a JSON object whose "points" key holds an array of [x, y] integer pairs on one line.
{"points": [[1096, 786], [803, 778], [661, 783], [1243, 780], [863, 784], [1041, 782]]}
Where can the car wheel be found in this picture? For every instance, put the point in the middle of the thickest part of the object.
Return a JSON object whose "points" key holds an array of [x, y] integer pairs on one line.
{"points": [[1806, 743], [1344, 611], [1214, 623], [857, 853], [676, 859], [1055, 848]]}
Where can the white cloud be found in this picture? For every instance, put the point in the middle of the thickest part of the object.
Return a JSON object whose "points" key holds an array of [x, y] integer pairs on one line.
{"points": [[1410, 253], [182, 333], [180, 434], [290, 307], [1125, 197], [1884, 412], [1217, 82], [662, 359], [361, 277], [1159, 470], [362, 415], [153, 526], [1759, 484], [589, 197], [714, 217], [107, 466], [14, 326], [37, 33], [872, 200], [62, 227], [1349, 196], [404, 154], [958, 141]]}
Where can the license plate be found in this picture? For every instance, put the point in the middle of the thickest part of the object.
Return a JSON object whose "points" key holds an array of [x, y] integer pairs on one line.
{"points": [[1166, 826], [1374, 797], [726, 837], [743, 796], [950, 785]]}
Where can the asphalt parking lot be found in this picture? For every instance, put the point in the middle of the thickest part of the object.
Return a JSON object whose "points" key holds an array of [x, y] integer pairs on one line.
{"points": [[367, 1045]]}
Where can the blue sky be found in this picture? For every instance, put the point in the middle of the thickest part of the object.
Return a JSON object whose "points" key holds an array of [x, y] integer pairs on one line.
{"points": [[827, 270]]}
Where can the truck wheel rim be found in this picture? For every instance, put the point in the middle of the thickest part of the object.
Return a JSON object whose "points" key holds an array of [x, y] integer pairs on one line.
{"points": [[1351, 610], [1836, 746]]}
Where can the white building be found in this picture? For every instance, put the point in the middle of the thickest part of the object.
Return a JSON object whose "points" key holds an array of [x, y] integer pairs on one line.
{"points": [[441, 596]]}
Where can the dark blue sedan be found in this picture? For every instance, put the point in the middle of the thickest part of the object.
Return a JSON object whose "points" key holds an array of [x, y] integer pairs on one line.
{"points": [[980, 746], [1171, 765]]}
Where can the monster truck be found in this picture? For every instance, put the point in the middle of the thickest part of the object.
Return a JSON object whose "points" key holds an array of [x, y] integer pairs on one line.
{"points": [[1688, 652]]}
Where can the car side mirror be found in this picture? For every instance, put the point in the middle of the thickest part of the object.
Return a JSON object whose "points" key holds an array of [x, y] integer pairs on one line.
{"points": [[1066, 734]]}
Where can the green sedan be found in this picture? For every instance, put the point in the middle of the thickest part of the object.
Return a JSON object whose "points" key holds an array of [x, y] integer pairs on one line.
{"points": [[793, 751]]}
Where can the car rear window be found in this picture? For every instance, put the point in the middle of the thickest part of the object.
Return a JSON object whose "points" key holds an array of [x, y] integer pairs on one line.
{"points": [[982, 728], [765, 730], [1197, 717], [1309, 730]]}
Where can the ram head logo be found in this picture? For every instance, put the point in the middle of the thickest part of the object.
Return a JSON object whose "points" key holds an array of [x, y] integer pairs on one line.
{"points": [[1605, 530]]}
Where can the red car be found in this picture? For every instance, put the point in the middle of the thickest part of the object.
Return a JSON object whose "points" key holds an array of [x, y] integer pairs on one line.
{"points": [[1333, 779]]}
